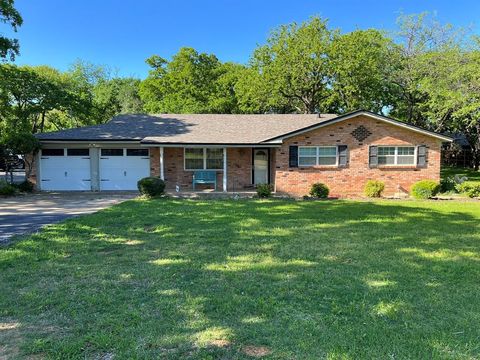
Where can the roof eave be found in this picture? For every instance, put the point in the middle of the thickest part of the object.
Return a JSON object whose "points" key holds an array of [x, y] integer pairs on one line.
{"points": [[354, 114], [195, 144]]}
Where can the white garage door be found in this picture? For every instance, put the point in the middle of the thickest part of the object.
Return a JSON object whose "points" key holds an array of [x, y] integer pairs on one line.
{"points": [[65, 169], [120, 169]]}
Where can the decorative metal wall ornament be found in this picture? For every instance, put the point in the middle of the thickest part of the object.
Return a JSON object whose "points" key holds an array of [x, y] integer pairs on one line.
{"points": [[361, 133]]}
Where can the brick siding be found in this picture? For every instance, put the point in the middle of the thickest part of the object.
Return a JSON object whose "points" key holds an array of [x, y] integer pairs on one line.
{"points": [[239, 165], [350, 181]]}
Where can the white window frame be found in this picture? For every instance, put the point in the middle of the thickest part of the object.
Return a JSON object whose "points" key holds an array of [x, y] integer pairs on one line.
{"points": [[204, 159], [395, 156], [317, 156]]}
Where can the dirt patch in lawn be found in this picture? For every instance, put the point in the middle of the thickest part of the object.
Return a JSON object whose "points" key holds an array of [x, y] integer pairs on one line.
{"points": [[10, 338], [256, 351]]}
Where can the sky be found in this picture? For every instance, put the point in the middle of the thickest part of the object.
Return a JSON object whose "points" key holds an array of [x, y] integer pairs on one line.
{"points": [[121, 34]]}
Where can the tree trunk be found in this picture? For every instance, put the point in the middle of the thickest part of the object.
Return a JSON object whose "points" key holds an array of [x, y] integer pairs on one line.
{"points": [[42, 123], [476, 148]]}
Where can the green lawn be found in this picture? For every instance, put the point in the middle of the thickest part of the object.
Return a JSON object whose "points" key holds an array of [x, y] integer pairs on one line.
{"points": [[450, 171], [231, 279]]}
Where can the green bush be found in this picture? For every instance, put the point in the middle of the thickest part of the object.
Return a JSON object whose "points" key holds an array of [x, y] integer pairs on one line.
{"points": [[264, 190], [374, 188], [447, 184], [151, 186], [7, 189], [319, 190], [470, 188], [425, 189], [26, 186]]}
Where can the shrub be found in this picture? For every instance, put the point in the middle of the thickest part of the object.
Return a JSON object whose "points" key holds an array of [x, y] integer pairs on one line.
{"points": [[425, 189], [319, 190], [470, 188], [151, 186], [264, 190], [447, 184], [26, 186], [374, 188], [6, 189]]}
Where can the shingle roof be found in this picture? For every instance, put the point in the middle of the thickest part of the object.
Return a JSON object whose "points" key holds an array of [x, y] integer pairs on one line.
{"points": [[213, 128], [191, 128]]}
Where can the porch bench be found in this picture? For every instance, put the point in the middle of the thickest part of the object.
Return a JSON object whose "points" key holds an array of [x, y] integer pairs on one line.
{"points": [[205, 177]]}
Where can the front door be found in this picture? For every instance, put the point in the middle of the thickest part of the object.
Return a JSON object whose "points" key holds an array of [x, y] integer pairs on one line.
{"points": [[260, 166]]}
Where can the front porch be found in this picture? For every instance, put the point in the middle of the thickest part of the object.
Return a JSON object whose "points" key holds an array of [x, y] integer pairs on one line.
{"points": [[237, 169]]}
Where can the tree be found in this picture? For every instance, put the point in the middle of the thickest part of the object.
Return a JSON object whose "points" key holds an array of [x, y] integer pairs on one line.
{"points": [[117, 96], [82, 78], [418, 36], [453, 88], [191, 82], [9, 48], [361, 62], [26, 145], [224, 99], [27, 94], [292, 69]]}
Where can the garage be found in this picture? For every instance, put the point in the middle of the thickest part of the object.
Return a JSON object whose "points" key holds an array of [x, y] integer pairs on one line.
{"points": [[120, 169], [65, 169]]}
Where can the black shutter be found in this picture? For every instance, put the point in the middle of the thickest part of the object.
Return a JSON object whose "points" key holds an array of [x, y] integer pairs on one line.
{"points": [[422, 156], [293, 156], [373, 156], [342, 155]]}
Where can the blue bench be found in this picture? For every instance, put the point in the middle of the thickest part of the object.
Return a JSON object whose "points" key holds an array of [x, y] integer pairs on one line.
{"points": [[204, 177]]}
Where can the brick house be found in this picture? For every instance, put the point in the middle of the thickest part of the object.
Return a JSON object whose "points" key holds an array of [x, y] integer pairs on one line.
{"points": [[238, 152]]}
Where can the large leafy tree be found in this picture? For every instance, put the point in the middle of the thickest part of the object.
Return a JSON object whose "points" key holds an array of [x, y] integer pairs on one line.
{"points": [[191, 82], [9, 48], [291, 72], [453, 88], [361, 62], [117, 96], [27, 94], [419, 36]]}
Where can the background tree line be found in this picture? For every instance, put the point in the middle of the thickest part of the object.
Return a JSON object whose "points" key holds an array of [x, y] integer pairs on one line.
{"points": [[426, 73]]}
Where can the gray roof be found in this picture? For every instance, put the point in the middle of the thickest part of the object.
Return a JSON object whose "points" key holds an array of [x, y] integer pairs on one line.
{"points": [[191, 128], [213, 128]]}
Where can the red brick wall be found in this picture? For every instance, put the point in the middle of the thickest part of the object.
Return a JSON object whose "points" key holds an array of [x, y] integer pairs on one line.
{"points": [[350, 181], [239, 164]]}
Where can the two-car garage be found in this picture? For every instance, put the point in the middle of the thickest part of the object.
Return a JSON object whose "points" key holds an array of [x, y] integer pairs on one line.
{"points": [[85, 169]]}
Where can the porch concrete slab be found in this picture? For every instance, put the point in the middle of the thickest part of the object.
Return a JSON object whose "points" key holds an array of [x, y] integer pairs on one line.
{"points": [[26, 214]]}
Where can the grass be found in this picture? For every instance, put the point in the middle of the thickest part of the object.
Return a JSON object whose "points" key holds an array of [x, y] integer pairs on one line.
{"points": [[243, 279], [450, 171]]}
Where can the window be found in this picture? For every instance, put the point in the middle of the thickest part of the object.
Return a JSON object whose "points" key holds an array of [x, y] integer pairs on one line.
{"points": [[52, 152], [396, 155], [307, 156], [137, 152], [194, 159], [203, 159], [214, 159], [317, 155], [78, 152], [112, 152]]}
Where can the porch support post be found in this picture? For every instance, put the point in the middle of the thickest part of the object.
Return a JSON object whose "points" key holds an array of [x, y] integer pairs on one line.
{"points": [[224, 169], [162, 171]]}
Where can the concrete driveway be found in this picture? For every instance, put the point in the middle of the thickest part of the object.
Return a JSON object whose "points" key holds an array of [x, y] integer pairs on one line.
{"points": [[26, 214]]}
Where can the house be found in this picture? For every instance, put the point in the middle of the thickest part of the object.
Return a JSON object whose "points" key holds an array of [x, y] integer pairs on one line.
{"points": [[289, 151]]}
